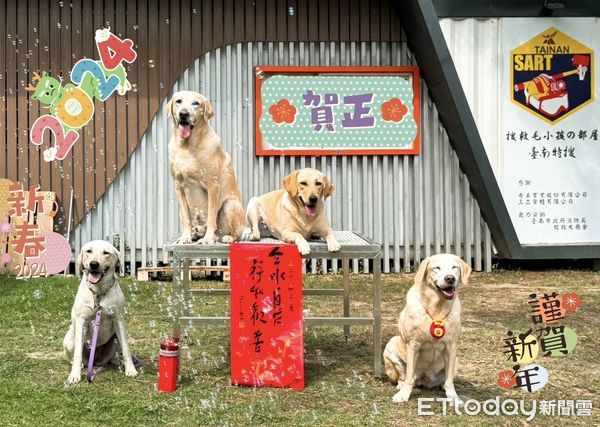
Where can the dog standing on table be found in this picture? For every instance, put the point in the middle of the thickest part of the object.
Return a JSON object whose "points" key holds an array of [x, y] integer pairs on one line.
{"points": [[294, 213], [99, 261], [424, 353], [207, 191]]}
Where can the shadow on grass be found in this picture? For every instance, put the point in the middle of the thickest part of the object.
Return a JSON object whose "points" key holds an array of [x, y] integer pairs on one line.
{"points": [[467, 390]]}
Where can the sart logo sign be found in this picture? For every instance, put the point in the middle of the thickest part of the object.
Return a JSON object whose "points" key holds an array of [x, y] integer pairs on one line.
{"points": [[552, 75]]}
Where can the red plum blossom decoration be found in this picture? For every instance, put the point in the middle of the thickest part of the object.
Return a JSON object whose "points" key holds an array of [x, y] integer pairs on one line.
{"points": [[393, 110], [283, 112]]}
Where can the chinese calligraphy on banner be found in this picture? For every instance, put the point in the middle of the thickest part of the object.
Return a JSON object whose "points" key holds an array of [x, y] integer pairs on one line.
{"points": [[549, 134], [267, 340], [544, 338], [28, 247], [337, 110]]}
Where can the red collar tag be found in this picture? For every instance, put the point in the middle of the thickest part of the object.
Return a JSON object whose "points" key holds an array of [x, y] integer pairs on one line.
{"points": [[437, 329]]}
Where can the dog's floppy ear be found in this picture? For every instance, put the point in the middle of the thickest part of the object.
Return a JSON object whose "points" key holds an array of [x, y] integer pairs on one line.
{"points": [[422, 272], [290, 183], [169, 108], [328, 188], [209, 112], [118, 261], [80, 260], [465, 272]]}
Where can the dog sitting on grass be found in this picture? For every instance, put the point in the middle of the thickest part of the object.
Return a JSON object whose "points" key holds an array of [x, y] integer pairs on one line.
{"points": [[424, 352], [99, 287]]}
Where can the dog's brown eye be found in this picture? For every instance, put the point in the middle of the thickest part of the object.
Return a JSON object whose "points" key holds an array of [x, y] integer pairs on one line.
{"points": [[195, 103], [89, 251], [303, 183], [318, 184], [106, 253], [178, 101]]}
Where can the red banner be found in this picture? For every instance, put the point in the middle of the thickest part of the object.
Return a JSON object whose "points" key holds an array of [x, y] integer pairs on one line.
{"points": [[267, 340]]}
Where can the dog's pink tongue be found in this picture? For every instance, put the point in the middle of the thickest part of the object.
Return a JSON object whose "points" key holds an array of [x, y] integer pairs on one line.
{"points": [[448, 292], [94, 277], [310, 210], [184, 131]]}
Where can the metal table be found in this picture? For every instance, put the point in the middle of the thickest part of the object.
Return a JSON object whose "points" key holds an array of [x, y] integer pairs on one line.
{"points": [[353, 246]]}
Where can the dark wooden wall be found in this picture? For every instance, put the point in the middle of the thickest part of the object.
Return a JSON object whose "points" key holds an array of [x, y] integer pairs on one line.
{"points": [[52, 36]]}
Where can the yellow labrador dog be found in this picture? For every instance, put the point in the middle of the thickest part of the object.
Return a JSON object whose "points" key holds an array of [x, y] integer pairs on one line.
{"points": [[208, 194], [294, 213], [424, 353], [99, 261]]}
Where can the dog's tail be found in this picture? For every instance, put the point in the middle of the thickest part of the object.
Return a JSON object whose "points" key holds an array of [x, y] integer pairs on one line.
{"points": [[392, 372], [394, 367]]}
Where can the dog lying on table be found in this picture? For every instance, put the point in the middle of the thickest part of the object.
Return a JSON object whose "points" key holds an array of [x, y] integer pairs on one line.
{"points": [[99, 286], [295, 213], [424, 352]]}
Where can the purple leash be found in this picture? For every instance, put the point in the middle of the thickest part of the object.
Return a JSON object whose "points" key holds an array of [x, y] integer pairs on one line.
{"points": [[90, 368]]}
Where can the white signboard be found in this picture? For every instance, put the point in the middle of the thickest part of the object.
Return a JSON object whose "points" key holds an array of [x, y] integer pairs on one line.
{"points": [[550, 129]]}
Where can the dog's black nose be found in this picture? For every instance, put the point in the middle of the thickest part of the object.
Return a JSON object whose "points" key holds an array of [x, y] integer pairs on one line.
{"points": [[94, 265], [184, 114], [313, 198], [450, 279]]}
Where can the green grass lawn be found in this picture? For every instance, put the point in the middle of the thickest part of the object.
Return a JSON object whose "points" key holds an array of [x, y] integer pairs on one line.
{"points": [[340, 389]]}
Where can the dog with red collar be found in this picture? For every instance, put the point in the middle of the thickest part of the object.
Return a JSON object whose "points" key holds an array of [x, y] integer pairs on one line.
{"points": [[423, 354]]}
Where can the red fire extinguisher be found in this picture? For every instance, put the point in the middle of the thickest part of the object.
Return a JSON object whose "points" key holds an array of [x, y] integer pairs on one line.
{"points": [[168, 366]]}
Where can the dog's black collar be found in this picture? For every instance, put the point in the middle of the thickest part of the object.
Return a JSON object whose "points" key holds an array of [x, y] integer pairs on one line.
{"points": [[97, 296], [96, 302]]}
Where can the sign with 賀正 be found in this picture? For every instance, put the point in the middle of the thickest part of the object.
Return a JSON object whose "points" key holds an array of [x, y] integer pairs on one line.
{"points": [[337, 110], [549, 136], [267, 340]]}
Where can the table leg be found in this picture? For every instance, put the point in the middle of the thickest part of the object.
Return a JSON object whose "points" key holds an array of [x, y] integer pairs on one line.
{"points": [[346, 281], [377, 316], [176, 297], [185, 300]]}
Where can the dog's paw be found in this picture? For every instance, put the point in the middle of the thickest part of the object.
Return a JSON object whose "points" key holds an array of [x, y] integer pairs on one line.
{"points": [[402, 396], [185, 239], [208, 239], [227, 239], [245, 235], [255, 235], [303, 247], [333, 245], [74, 378], [130, 371]]}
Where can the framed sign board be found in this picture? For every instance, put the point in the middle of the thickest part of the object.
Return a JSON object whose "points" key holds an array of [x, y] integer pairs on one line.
{"points": [[324, 111], [549, 133]]}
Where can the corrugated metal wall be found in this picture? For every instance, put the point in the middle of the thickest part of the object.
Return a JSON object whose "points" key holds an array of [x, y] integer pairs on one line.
{"points": [[414, 205], [475, 48], [39, 35]]}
